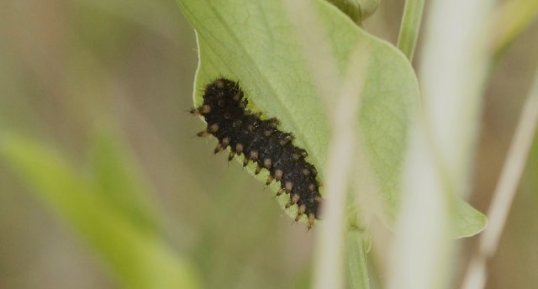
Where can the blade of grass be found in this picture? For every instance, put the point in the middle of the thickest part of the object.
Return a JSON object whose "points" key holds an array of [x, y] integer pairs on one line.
{"points": [[510, 20], [410, 27], [116, 177], [452, 74], [357, 268], [505, 191], [331, 241], [421, 236], [138, 257]]}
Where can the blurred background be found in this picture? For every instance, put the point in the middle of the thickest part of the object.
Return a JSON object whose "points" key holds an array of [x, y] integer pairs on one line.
{"points": [[105, 88]]}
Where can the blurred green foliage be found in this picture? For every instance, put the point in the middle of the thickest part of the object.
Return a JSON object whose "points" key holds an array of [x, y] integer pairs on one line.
{"points": [[93, 125], [113, 223], [102, 89]]}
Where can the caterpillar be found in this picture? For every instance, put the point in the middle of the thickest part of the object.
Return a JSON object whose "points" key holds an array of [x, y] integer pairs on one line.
{"points": [[228, 119]]}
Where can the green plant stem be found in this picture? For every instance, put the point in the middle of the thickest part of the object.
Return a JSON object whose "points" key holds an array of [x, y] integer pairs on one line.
{"points": [[410, 27], [356, 256]]}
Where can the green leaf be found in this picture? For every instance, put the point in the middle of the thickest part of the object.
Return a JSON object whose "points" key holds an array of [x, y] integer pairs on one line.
{"points": [[139, 258], [469, 221], [256, 43]]}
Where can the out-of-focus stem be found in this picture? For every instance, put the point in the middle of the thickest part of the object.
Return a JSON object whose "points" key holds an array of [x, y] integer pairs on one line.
{"points": [[506, 190], [510, 20], [410, 27]]}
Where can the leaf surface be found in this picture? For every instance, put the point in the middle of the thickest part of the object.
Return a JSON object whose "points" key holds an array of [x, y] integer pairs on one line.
{"points": [[255, 42]]}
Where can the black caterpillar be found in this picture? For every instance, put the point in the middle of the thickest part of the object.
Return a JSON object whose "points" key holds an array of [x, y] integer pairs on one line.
{"points": [[260, 141]]}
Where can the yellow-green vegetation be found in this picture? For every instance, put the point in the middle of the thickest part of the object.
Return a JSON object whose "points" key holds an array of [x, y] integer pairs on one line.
{"points": [[103, 183]]}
